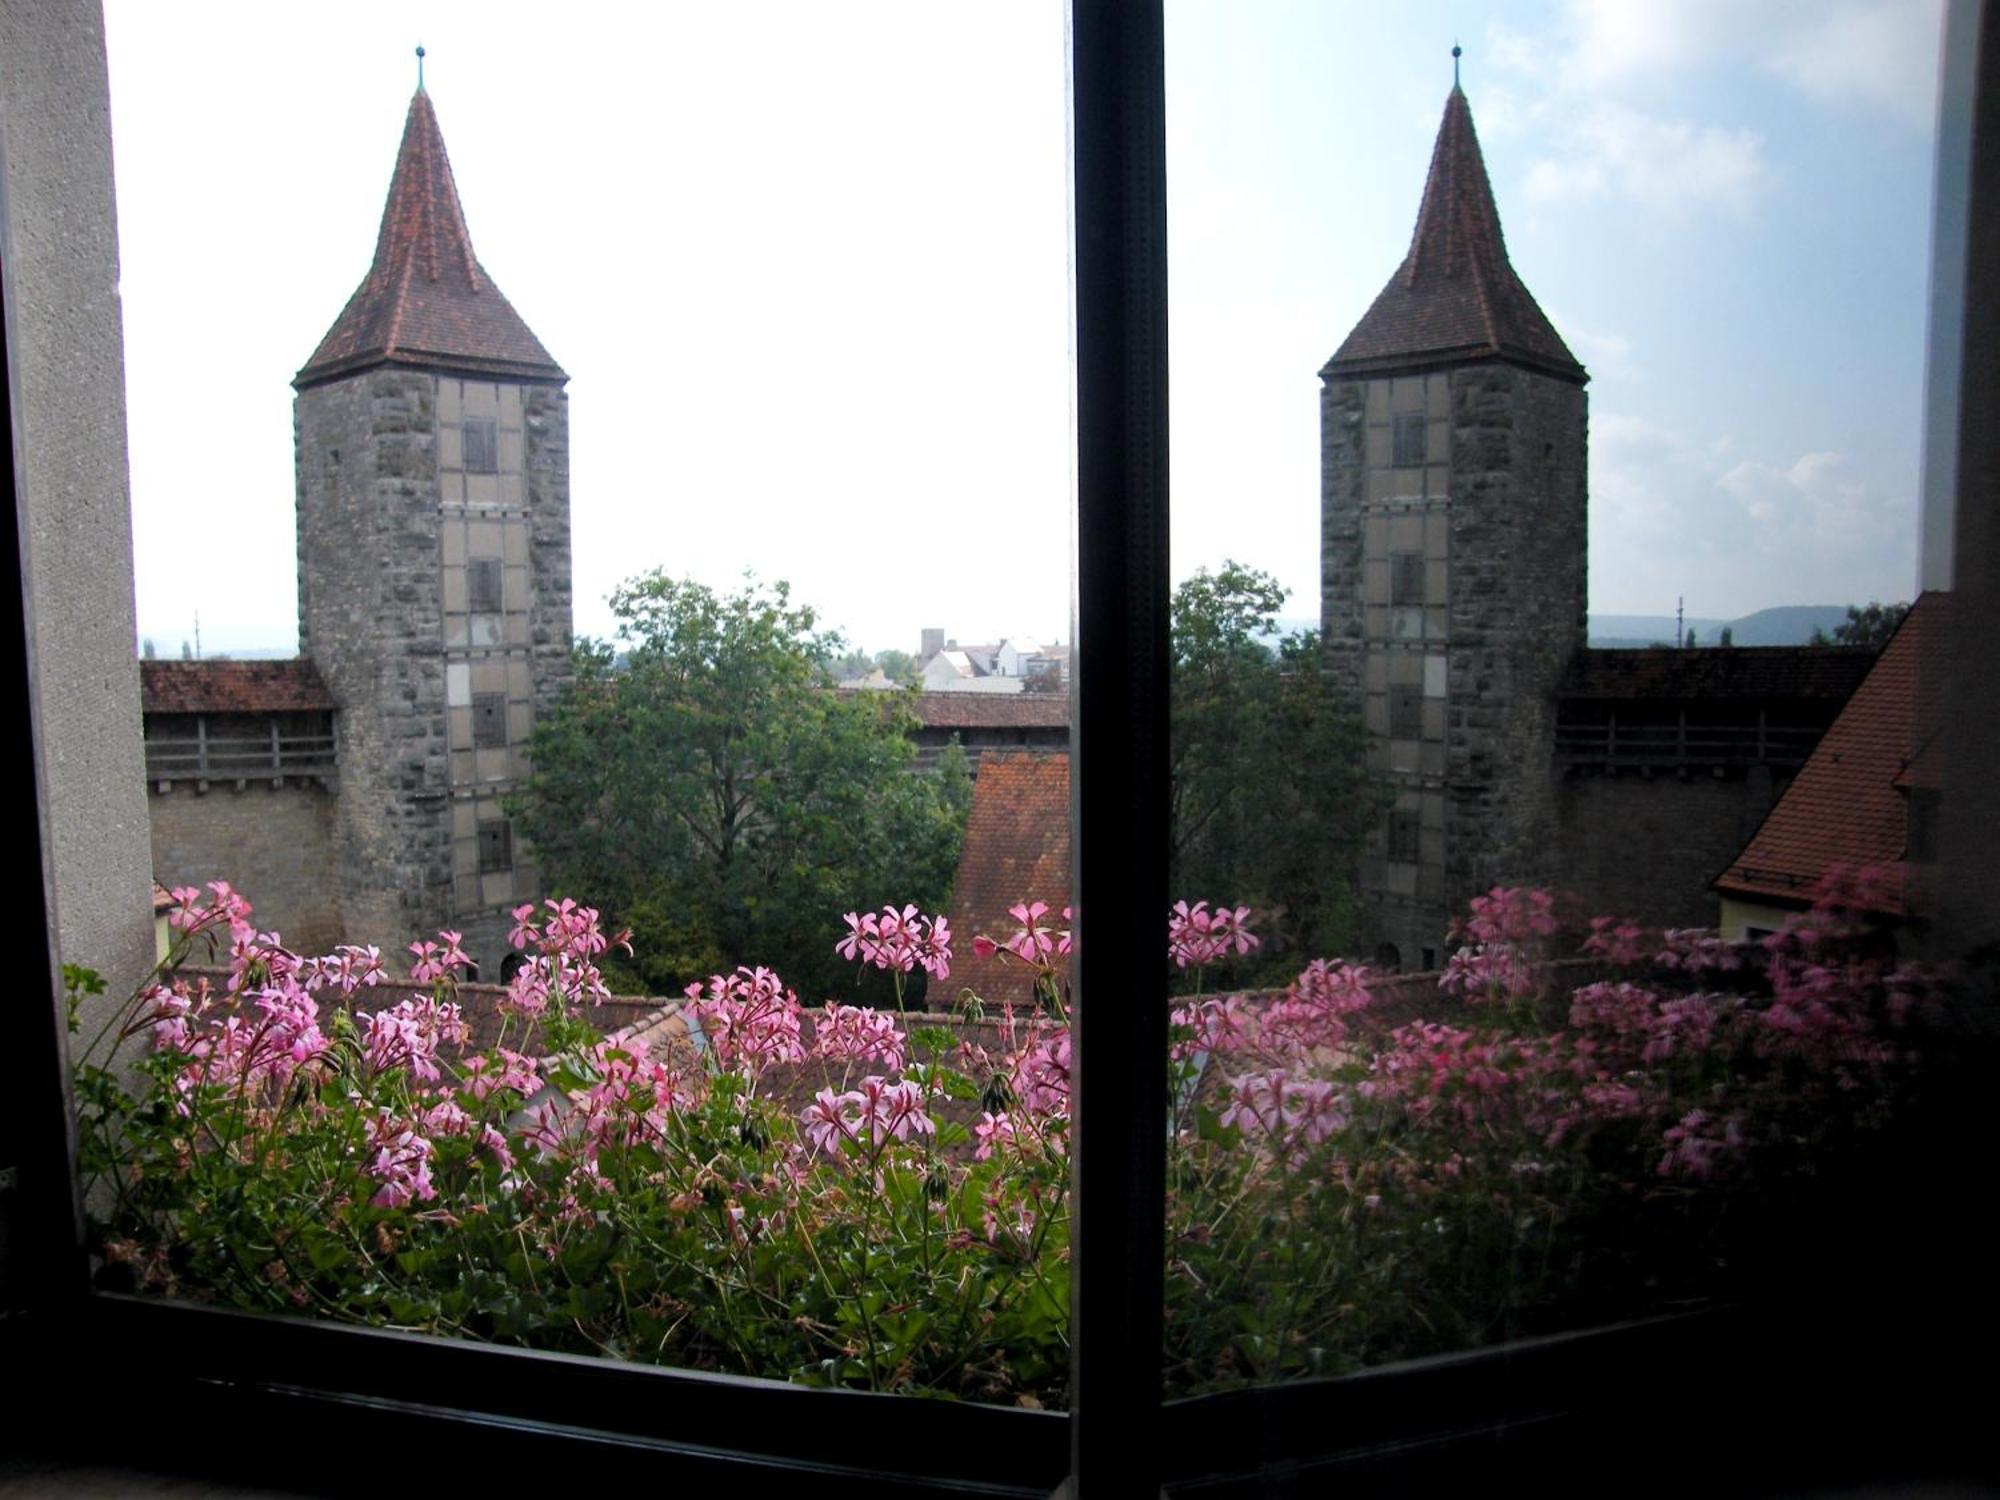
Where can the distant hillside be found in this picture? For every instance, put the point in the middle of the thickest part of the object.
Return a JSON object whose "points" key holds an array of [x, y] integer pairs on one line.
{"points": [[1786, 625]]}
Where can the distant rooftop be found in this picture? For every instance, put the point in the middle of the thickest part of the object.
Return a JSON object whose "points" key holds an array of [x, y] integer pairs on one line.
{"points": [[1718, 672], [992, 710]]}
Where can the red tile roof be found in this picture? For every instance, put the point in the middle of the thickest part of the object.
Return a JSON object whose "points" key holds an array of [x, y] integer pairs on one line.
{"points": [[1712, 672], [426, 300], [1016, 848], [1844, 808], [292, 685], [1455, 297]]}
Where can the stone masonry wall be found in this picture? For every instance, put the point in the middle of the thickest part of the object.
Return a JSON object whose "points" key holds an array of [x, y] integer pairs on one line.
{"points": [[547, 440], [1648, 846], [1491, 510], [1519, 537], [1343, 472], [371, 617], [274, 844]]}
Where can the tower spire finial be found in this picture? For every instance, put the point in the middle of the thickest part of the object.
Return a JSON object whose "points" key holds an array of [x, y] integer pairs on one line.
{"points": [[420, 67], [1455, 50]]}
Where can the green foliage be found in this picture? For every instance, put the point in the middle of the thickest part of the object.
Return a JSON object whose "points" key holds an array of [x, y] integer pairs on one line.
{"points": [[1270, 796], [898, 666], [701, 782], [1869, 625]]}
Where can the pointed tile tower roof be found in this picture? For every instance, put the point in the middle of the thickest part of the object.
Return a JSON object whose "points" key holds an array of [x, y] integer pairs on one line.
{"points": [[426, 300], [1455, 298]]}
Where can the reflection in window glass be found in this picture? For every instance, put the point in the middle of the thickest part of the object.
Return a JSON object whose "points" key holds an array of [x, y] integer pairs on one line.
{"points": [[1556, 550]]}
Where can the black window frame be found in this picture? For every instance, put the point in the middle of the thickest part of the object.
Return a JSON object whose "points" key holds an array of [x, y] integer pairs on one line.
{"points": [[1561, 1407]]}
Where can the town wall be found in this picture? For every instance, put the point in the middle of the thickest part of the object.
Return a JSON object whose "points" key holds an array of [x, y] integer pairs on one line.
{"points": [[274, 844], [1648, 846]]}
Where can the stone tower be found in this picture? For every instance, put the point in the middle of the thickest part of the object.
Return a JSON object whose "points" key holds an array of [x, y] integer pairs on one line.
{"points": [[1453, 556], [432, 447]]}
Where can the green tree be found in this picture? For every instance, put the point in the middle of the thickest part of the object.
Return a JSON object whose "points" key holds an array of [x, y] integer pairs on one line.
{"points": [[1871, 625], [1727, 638], [1270, 795], [701, 784], [898, 666]]}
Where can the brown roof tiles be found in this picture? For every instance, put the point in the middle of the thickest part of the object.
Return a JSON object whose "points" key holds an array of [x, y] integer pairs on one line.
{"points": [[1844, 806], [1455, 297], [1016, 848], [992, 710], [1717, 672], [292, 685], [426, 300]]}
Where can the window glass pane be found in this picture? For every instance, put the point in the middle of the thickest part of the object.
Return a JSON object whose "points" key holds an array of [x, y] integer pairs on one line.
{"points": [[738, 661], [1502, 727]]}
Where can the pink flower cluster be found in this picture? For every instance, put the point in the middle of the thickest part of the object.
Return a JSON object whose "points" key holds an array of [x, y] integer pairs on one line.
{"points": [[631, 1097], [562, 950], [1313, 1015], [1034, 942], [1274, 1105], [401, 1162], [901, 941], [1218, 1025], [1198, 937], [1041, 1074], [439, 962], [749, 1020], [852, 1034], [409, 1034], [869, 1115], [1509, 914]]}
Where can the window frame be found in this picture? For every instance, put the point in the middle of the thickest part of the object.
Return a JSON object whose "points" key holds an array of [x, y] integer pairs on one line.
{"points": [[489, 709], [1401, 426], [1555, 1405], [480, 599], [489, 431]]}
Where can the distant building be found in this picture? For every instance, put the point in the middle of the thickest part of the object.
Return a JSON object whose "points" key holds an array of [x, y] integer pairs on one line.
{"points": [[432, 437], [1010, 666]]}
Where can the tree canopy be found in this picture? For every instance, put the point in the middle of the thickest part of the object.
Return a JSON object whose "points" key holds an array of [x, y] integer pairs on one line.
{"points": [[1869, 625], [702, 784], [1271, 798]]}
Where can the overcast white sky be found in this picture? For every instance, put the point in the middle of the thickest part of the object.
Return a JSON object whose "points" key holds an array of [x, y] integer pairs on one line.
{"points": [[807, 267]]}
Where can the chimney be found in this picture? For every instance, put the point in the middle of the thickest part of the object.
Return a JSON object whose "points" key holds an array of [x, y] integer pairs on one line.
{"points": [[933, 643]]}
